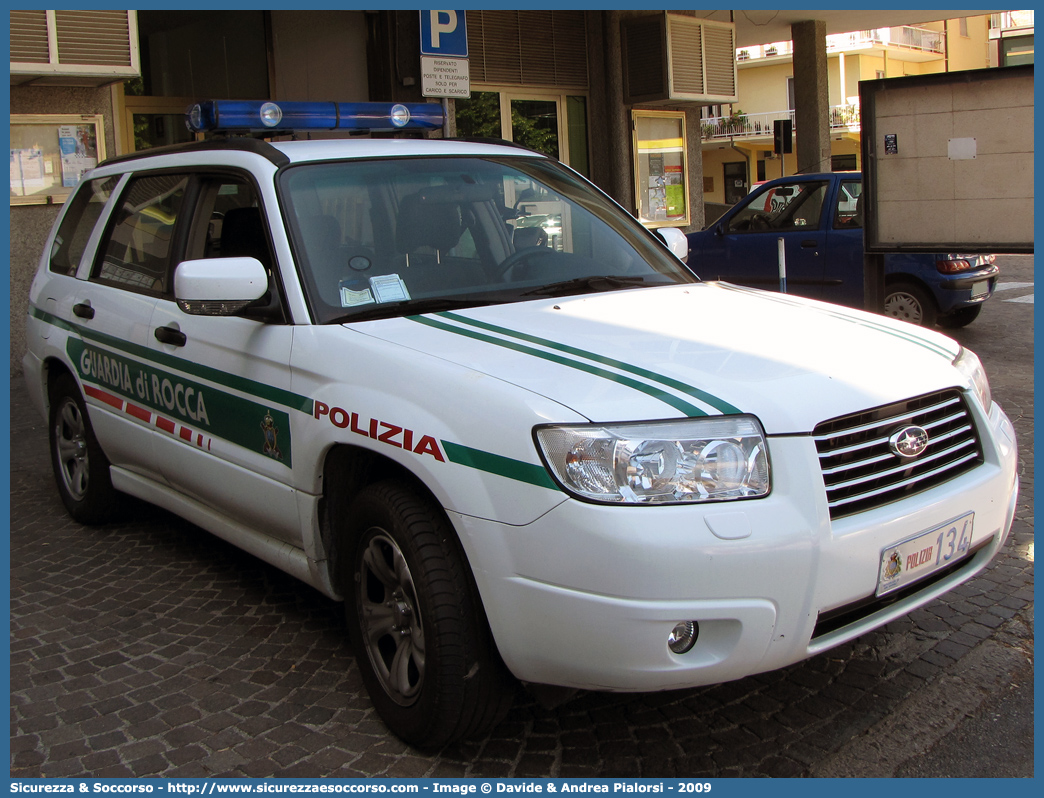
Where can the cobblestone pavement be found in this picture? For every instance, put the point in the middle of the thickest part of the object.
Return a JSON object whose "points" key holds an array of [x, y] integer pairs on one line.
{"points": [[151, 648]]}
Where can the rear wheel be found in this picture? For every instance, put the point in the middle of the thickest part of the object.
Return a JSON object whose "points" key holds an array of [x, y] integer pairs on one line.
{"points": [[81, 468], [420, 636], [960, 318], [909, 302]]}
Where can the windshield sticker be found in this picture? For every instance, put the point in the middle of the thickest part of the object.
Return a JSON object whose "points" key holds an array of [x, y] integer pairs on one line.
{"points": [[389, 288], [355, 293]]}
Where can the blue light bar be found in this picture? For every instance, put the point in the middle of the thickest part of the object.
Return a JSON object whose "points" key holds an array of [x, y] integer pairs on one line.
{"points": [[262, 115]]}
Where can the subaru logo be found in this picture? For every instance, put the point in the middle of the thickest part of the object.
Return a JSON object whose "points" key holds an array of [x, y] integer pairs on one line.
{"points": [[909, 442]]}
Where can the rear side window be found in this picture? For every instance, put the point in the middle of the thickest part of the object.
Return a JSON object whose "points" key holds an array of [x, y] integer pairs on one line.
{"points": [[849, 210], [85, 206], [136, 254]]}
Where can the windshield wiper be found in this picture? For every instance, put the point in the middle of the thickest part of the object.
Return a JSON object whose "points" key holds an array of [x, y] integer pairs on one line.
{"points": [[594, 284]]}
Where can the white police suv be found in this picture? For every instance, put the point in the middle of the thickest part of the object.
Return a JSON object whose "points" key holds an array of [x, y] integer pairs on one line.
{"points": [[455, 385]]}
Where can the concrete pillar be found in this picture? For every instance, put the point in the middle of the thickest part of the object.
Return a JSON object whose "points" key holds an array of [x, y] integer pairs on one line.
{"points": [[811, 101], [618, 127]]}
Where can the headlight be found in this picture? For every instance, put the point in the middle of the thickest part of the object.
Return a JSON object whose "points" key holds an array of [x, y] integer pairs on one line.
{"points": [[967, 363], [662, 462]]}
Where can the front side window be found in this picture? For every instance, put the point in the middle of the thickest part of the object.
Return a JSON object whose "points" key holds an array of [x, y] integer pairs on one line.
{"points": [[792, 206], [137, 252], [402, 236]]}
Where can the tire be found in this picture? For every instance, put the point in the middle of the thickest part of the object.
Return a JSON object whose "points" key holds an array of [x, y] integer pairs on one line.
{"points": [[909, 302], [960, 318], [416, 624], [81, 468]]}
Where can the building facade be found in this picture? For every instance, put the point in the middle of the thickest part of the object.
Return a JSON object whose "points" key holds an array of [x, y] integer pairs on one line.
{"points": [[647, 104], [737, 139]]}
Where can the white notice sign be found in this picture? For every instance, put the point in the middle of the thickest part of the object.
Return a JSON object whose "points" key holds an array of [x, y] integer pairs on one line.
{"points": [[445, 77]]}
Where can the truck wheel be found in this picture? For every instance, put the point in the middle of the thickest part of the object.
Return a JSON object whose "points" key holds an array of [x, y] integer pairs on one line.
{"points": [[960, 318], [416, 624], [909, 302], [81, 468]]}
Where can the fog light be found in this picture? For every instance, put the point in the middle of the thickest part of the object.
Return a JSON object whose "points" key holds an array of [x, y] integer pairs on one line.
{"points": [[683, 637]]}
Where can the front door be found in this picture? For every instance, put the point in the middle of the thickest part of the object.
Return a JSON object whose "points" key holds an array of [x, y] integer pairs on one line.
{"points": [[790, 213], [221, 383]]}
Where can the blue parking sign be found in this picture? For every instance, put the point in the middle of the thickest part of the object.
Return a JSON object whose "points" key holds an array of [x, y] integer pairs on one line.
{"points": [[443, 33]]}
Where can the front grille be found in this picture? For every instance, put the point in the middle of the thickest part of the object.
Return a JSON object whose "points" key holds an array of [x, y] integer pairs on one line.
{"points": [[861, 471]]}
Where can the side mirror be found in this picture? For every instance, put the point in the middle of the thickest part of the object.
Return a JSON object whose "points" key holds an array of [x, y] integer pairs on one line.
{"points": [[676, 242], [219, 286]]}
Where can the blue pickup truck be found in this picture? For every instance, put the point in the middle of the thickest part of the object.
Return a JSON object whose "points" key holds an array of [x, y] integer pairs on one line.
{"points": [[819, 218]]}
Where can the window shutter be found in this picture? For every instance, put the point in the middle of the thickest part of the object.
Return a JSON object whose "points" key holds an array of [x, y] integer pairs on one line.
{"points": [[93, 37], [29, 37], [686, 58], [528, 48], [73, 48], [670, 58]]}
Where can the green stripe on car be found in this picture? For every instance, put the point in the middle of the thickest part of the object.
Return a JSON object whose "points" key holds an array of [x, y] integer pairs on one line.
{"points": [[257, 389], [690, 410], [499, 465], [696, 393], [868, 323]]}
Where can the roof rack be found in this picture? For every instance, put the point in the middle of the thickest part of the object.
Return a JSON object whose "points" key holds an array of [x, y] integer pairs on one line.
{"points": [[238, 143]]}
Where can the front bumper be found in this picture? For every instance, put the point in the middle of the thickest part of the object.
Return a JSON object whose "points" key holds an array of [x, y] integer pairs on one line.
{"points": [[586, 596]]}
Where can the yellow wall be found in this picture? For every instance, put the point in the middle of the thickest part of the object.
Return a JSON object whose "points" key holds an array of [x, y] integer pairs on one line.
{"points": [[764, 89], [971, 52]]}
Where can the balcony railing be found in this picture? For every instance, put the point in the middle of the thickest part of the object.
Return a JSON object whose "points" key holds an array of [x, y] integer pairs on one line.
{"points": [[752, 126], [906, 37]]}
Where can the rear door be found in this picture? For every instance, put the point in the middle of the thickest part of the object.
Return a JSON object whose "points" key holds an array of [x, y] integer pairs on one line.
{"points": [[111, 312], [747, 246]]}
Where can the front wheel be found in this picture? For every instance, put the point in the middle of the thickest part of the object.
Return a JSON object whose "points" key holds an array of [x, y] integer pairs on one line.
{"points": [[417, 627], [909, 302], [81, 468]]}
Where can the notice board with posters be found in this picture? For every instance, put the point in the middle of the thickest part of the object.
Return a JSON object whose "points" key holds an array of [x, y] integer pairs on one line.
{"points": [[948, 162], [661, 168], [50, 154]]}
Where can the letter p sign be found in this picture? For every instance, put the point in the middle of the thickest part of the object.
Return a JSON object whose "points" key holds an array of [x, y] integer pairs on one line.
{"points": [[443, 33], [442, 22]]}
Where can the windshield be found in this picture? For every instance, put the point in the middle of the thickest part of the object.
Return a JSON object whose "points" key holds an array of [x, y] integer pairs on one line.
{"points": [[394, 237]]}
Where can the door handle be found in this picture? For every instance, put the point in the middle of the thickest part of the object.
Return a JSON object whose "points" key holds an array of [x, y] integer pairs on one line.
{"points": [[168, 335], [809, 243], [83, 310]]}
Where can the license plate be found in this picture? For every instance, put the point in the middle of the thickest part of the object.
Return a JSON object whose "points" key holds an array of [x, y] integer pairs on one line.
{"points": [[980, 289], [924, 553]]}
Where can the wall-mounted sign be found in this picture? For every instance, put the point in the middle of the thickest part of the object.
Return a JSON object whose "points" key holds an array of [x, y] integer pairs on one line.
{"points": [[445, 77]]}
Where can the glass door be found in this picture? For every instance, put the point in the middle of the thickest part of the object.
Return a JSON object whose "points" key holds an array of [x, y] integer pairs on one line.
{"points": [[534, 123], [554, 124]]}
